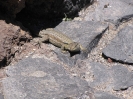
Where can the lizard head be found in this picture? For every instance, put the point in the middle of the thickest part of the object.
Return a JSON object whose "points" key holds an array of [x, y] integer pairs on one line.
{"points": [[74, 47]]}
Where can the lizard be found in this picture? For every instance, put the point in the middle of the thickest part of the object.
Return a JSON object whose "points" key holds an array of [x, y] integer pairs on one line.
{"points": [[60, 40]]}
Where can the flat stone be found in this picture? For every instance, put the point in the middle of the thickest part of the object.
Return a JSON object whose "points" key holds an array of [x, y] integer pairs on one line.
{"points": [[86, 33], [1, 96], [122, 77], [121, 47], [107, 79], [10, 37], [116, 77], [104, 95], [101, 74], [37, 78], [109, 10]]}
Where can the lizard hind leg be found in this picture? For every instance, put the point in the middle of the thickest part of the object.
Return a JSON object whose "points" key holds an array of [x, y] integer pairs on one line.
{"points": [[63, 50], [35, 42], [40, 40]]}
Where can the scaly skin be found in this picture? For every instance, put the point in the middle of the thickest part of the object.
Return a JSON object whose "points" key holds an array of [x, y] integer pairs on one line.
{"points": [[60, 40]]}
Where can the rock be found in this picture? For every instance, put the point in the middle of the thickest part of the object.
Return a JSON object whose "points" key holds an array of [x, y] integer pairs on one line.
{"points": [[121, 47], [122, 77], [117, 77], [1, 96], [101, 75], [104, 95], [37, 78], [10, 37], [86, 33], [112, 11]]}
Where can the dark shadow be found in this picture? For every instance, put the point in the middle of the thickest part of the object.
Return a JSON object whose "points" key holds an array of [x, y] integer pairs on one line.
{"points": [[34, 24], [28, 23], [3, 63], [120, 21], [8, 19], [49, 14], [117, 61], [94, 42], [123, 19], [74, 53]]}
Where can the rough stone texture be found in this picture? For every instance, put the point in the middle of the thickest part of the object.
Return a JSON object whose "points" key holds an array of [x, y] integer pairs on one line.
{"points": [[102, 95], [101, 74], [38, 78], [1, 96], [111, 10], [121, 47], [10, 37], [86, 33], [33, 78], [123, 79], [117, 77]]}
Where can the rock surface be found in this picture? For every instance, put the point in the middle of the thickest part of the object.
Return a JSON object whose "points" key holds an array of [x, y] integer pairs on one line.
{"points": [[11, 36], [43, 7], [38, 78], [104, 72], [123, 78], [121, 46], [117, 77], [1, 96], [112, 11], [102, 95], [32, 77]]}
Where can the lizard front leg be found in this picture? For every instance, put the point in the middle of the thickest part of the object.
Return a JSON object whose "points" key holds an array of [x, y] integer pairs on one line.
{"points": [[83, 49], [43, 39], [38, 41]]}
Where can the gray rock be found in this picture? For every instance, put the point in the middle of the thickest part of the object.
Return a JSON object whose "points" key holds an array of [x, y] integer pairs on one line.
{"points": [[121, 47], [37, 78], [110, 10], [101, 74], [104, 95], [86, 33], [122, 77], [117, 77], [1, 96]]}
